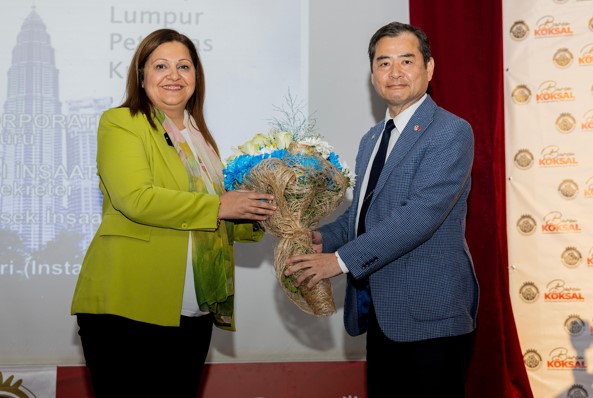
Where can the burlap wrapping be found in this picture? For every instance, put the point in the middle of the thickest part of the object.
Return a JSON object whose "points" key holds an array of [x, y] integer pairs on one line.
{"points": [[303, 196]]}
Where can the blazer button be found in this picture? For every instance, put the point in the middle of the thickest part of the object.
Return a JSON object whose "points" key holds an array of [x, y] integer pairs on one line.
{"points": [[184, 225]]}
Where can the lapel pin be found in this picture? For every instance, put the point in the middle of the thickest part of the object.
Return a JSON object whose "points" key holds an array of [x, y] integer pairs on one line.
{"points": [[417, 128]]}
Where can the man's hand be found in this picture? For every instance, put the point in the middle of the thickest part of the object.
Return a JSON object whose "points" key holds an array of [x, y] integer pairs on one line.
{"points": [[315, 266]]}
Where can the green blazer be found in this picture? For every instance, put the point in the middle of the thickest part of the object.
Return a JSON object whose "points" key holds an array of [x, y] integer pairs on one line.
{"points": [[135, 264]]}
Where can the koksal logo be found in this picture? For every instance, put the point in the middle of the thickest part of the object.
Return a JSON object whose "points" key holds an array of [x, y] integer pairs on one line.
{"points": [[550, 91], [561, 359], [551, 156], [558, 291], [554, 223], [547, 26]]}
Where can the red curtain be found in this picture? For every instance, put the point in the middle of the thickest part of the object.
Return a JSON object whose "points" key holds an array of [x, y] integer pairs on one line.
{"points": [[466, 41]]}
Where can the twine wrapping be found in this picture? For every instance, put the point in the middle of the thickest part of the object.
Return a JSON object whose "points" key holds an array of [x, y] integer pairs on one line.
{"points": [[304, 196]]}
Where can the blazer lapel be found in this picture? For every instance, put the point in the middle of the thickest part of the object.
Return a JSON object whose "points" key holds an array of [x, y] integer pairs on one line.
{"points": [[169, 155], [416, 128]]}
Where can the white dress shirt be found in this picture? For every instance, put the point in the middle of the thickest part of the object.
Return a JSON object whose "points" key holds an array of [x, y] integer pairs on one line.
{"points": [[400, 122]]}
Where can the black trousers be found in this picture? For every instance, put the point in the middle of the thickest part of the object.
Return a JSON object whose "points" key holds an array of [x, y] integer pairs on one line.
{"points": [[126, 358], [427, 368]]}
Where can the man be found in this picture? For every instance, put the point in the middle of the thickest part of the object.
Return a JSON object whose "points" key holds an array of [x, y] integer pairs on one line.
{"points": [[402, 243]]}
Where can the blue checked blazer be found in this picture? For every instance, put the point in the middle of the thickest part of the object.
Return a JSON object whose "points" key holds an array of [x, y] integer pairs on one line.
{"points": [[414, 254]]}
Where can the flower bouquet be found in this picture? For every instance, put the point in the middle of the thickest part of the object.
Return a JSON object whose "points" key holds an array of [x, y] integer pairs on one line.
{"points": [[308, 182]]}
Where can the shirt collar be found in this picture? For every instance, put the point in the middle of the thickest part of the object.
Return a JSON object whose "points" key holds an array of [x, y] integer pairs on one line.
{"points": [[403, 118]]}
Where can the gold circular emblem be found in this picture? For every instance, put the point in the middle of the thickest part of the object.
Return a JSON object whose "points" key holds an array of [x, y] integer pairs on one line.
{"points": [[521, 94], [526, 225], [14, 388], [529, 292], [577, 391], [574, 325], [568, 189], [519, 30], [532, 360], [591, 24], [571, 257], [565, 123], [523, 159], [562, 58]]}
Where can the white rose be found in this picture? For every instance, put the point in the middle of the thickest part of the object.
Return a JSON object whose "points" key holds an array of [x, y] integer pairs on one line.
{"points": [[261, 140], [319, 145], [250, 148], [283, 139]]}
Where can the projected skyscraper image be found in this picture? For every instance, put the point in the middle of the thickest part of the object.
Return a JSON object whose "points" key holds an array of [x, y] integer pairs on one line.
{"points": [[49, 197]]}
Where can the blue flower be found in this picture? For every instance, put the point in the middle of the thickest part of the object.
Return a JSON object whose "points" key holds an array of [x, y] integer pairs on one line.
{"points": [[335, 160], [240, 166]]}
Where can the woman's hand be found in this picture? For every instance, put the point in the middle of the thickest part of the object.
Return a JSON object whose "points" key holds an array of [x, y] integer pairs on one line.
{"points": [[246, 205]]}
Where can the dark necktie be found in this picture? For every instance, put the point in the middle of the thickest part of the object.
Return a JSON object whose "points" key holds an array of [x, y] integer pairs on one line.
{"points": [[363, 292], [376, 168]]}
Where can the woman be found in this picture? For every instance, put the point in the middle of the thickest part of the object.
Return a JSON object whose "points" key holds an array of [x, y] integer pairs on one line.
{"points": [[159, 272]]}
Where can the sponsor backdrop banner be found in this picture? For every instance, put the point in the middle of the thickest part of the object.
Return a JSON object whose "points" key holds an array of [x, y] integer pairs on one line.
{"points": [[548, 60]]}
